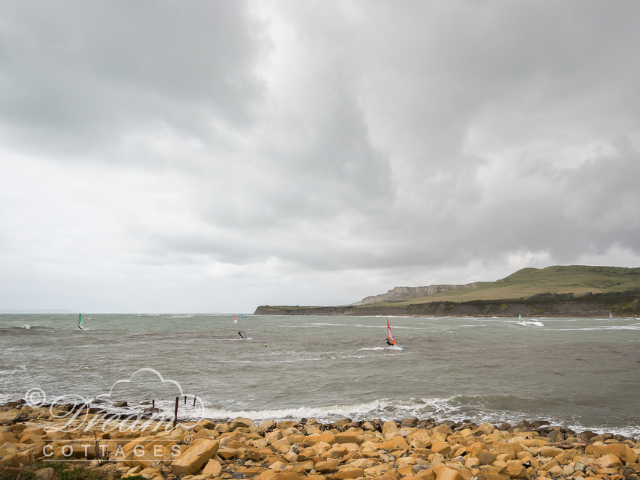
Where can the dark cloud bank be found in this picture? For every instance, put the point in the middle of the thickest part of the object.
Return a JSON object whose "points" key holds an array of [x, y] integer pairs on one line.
{"points": [[212, 156]]}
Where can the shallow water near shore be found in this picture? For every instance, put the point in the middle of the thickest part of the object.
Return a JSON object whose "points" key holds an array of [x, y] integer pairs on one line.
{"points": [[582, 373]]}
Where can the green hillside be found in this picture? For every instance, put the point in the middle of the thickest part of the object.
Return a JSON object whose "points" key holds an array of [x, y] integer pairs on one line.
{"points": [[561, 291], [578, 280]]}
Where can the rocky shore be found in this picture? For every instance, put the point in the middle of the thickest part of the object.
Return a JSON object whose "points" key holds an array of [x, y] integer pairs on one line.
{"points": [[33, 442]]}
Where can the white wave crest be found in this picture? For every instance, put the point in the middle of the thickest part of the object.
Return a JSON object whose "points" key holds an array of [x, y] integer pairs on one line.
{"points": [[531, 323], [385, 409]]}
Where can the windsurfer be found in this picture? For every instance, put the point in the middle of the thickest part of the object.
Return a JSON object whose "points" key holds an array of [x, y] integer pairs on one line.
{"points": [[389, 342]]}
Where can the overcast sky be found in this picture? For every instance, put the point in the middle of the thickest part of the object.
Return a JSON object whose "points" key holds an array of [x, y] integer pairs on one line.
{"points": [[213, 156]]}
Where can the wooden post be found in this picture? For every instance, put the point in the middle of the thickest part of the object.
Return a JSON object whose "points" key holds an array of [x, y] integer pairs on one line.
{"points": [[153, 404], [194, 400], [185, 399], [175, 418]]}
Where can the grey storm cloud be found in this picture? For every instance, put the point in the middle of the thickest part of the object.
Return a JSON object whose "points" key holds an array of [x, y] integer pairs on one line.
{"points": [[310, 152]]}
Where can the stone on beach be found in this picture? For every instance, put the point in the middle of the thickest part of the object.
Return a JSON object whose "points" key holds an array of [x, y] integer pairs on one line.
{"points": [[196, 456], [369, 450]]}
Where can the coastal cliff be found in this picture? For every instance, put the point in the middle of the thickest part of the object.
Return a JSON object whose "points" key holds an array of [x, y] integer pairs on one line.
{"points": [[404, 293]]}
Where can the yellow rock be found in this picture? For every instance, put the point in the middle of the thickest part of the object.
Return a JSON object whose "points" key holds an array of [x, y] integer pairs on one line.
{"points": [[151, 472], [443, 448], [44, 473], [274, 436], [620, 450], [485, 457], [30, 438], [278, 465], [442, 430], [472, 462], [308, 466], [550, 451], [198, 453], [286, 424], [389, 429], [336, 452], [512, 449], [212, 468], [556, 470], [228, 453], [327, 466], [609, 461], [327, 437], [492, 473], [404, 461], [427, 474], [395, 443], [287, 475], [267, 475], [141, 458], [449, 474], [311, 440], [297, 439], [250, 471], [485, 428], [346, 472], [550, 464], [206, 423], [517, 470], [291, 457], [10, 460], [58, 435], [240, 422], [348, 438], [363, 463], [235, 444], [419, 439], [406, 471], [134, 443]]}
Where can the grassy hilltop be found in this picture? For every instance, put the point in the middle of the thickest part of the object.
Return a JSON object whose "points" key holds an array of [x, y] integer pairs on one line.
{"points": [[574, 290], [578, 280]]}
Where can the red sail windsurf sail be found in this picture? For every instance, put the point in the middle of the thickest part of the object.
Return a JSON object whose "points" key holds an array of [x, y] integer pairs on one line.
{"points": [[390, 333]]}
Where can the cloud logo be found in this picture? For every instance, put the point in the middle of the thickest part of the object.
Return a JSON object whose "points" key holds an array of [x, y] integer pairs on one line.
{"points": [[189, 406]]}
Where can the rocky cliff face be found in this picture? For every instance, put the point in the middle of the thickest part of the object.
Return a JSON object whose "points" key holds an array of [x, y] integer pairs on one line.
{"points": [[398, 294]]}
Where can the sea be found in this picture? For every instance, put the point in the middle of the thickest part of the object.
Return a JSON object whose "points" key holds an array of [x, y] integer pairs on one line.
{"points": [[579, 373]]}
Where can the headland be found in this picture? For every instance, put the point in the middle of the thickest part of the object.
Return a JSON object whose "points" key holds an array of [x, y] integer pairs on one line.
{"points": [[559, 291]]}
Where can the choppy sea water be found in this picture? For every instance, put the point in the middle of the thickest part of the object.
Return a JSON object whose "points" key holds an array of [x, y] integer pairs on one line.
{"points": [[582, 373]]}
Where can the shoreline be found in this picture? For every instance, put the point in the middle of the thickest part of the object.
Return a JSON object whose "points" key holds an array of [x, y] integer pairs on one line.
{"points": [[411, 448], [625, 304], [326, 414]]}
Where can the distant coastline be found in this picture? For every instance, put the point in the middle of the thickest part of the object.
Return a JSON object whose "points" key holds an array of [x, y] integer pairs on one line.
{"points": [[558, 291], [599, 305], [52, 311]]}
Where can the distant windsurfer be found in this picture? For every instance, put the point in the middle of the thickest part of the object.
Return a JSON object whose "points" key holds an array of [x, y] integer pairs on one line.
{"points": [[80, 321], [390, 340]]}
